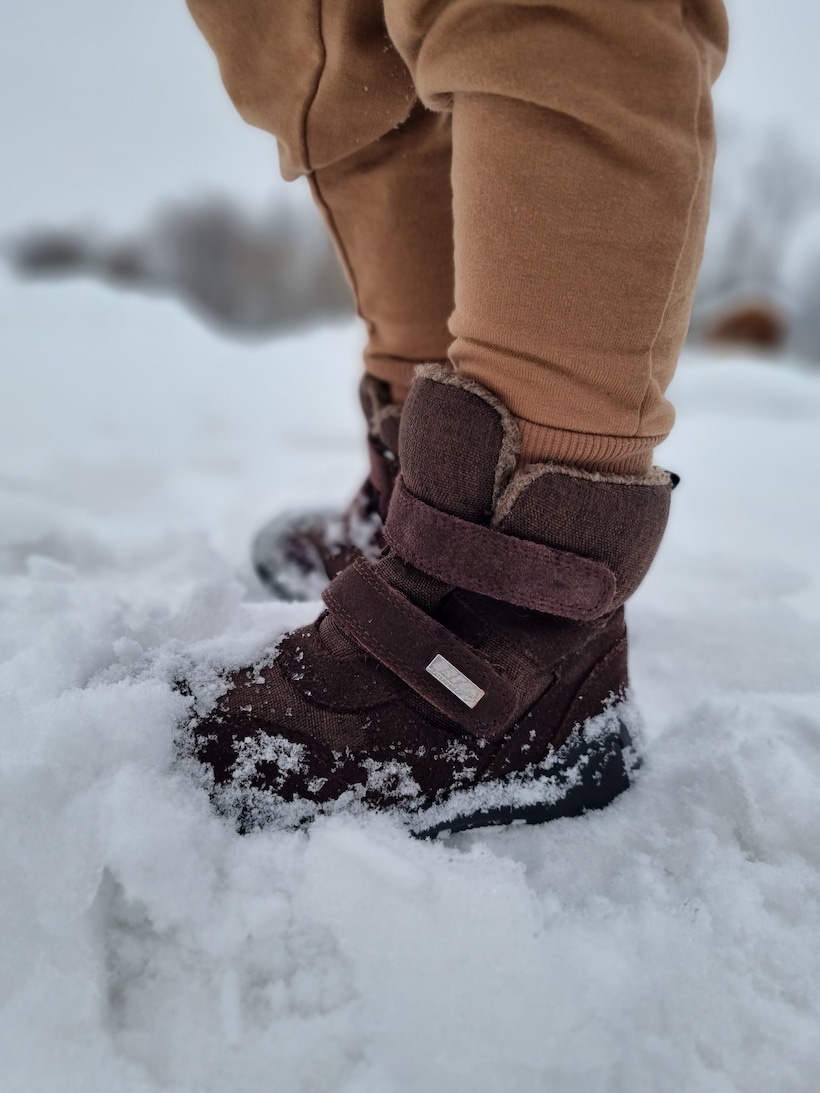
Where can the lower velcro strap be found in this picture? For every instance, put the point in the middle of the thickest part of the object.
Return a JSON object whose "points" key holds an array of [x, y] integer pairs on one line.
{"points": [[439, 666], [481, 559]]}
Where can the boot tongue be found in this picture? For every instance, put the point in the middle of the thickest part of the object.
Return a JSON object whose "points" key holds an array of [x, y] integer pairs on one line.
{"points": [[458, 444]]}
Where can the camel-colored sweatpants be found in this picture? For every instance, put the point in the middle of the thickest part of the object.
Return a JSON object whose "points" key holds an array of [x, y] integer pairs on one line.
{"points": [[521, 186]]}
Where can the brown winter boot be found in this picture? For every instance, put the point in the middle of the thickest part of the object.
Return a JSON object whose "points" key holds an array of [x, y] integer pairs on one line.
{"points": [[298, 553], [476, 673]]}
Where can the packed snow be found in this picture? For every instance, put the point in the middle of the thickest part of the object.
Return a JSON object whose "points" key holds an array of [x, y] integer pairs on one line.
{"points": [[671, 942]]}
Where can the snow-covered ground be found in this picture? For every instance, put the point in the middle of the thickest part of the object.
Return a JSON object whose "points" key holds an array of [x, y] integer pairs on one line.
{"points": [[669, 943]]}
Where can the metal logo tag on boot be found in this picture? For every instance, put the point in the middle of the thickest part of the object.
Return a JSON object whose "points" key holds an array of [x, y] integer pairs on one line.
{"points": [[447, 674]]}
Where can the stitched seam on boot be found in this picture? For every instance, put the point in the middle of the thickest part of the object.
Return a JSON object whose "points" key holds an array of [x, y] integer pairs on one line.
{"points": [[445, 523], [516, 647], [654, 477], [423, 623], [412, 670]]}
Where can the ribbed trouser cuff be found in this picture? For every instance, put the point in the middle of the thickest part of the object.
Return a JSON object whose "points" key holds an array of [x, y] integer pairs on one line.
{"points": [[591, 451], [397, 373]]}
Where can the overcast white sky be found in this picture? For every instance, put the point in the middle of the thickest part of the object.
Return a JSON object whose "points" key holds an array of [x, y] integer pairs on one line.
{"points": [[773, 71], [107, 107]]}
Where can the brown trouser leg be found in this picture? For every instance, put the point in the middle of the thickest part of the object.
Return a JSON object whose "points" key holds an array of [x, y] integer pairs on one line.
{"points": [[581, 164], [389, 210], [324, 77]]}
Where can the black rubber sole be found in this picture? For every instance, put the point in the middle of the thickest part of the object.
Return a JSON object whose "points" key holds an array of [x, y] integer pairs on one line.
{"points": [[588, 773]]}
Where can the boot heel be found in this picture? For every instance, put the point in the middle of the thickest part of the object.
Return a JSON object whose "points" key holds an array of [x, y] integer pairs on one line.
{"points": [[596, 764]]}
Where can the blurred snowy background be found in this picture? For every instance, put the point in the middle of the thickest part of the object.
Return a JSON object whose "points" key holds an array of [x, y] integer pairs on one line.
{"points": [[177, 198], [669, 944]]}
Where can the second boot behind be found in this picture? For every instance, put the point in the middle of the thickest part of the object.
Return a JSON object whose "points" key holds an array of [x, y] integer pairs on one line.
{"points": [[477, 672], [298, 553]]}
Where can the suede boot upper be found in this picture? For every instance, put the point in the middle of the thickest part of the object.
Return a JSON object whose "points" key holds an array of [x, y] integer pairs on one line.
{"points": [[489, 630]]}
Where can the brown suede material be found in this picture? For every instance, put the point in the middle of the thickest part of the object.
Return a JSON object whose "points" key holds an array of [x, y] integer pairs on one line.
{"points": [[495, 564], [618, 523], [450, 459], [381, 412], [373, 397], [382, 476], [389, 426], [314, 676], [353, 690], [383, 418], [400, 636], [573, 695]]}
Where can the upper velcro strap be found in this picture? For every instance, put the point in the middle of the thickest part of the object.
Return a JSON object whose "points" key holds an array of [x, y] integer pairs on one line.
{"points": [[481, 559], [439, 666]]}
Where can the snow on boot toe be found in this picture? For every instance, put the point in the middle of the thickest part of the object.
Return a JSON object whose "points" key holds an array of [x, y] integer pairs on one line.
{"points": [[479, 666]]}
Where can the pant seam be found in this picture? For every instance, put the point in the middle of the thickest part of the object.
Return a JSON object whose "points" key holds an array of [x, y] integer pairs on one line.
{"points": [[695, 191], [320, 69], [330, 221]]}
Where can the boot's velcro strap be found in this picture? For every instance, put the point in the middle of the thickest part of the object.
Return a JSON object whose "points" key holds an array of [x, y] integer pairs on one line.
{"points": [[481, 559], [439, 666]]}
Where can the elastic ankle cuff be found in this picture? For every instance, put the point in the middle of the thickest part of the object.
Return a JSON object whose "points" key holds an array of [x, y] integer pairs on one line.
{"points": [[591, 451]]}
